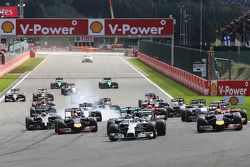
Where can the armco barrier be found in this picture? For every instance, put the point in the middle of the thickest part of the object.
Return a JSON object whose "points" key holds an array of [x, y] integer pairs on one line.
{"points": [[11, 65], [198, 84]]}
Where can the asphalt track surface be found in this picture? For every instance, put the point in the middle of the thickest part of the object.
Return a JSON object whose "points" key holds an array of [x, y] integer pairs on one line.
{"points": [[182, 145]]}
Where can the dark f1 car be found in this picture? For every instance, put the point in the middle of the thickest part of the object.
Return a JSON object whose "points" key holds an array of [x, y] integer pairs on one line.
{"points": [[43, 120], [224, 105], [176, 106], [135, 124], [190, 112], [43, 93], [14, 96], [57, 84], [40, 106], [75, 122], [108, 84], [219, 120], [68, 89], [92, 111]]}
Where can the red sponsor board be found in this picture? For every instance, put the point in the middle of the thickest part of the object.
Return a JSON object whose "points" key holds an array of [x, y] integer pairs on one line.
{"points": [[233, 88], [139, 27], [8, 11], [51, 27]]}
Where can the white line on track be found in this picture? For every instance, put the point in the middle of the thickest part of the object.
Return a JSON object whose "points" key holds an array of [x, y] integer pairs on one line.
{"points": [[163, 91], [25, 76]]}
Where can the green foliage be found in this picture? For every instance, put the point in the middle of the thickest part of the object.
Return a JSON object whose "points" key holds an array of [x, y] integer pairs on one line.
{"points": [[10, 78]]}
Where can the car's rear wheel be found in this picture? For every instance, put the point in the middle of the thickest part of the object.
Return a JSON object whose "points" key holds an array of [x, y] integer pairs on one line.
{"points": [[28, 123], [160, 127], [113, 128]]}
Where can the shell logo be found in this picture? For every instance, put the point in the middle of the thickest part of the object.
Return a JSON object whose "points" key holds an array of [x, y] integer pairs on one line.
{"points": [[96, 27], [233, 100], [213, 89], [7, 27]]}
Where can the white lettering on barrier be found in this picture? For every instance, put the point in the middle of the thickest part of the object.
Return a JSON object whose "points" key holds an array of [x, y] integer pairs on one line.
{"points": [[232, 91], [126, 28], [37, 28]]}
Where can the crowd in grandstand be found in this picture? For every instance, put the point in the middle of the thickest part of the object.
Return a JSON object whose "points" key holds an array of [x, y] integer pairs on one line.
{"points": [[238, 30]]}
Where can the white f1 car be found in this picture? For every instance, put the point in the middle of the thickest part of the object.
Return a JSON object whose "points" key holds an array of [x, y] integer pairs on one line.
{"points": [[87, 58]]}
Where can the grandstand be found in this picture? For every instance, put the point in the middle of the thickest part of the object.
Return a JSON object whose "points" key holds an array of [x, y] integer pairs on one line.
{"points": [[237, 32]]}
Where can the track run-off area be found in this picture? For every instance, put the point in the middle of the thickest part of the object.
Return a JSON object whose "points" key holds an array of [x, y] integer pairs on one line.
{"points": [[181, 147]]}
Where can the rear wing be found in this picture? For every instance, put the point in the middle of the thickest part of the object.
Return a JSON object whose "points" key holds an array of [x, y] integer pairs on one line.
{"points": [[178, 100], [15, 90], [59, 79], [106, 79], [136, 111], [198, 102]]}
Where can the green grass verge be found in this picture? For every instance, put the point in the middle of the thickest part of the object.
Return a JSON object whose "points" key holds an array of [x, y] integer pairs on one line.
{"points": [[8, 79], [175, 89]]}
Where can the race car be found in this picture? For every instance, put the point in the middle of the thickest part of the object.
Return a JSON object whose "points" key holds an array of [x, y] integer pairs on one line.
{"points": [[42, 101], [87, 59], [43, 120], [40, 106], [190, 112], [75, 122], [14, 96], [43, 92], [108, 84], [68, 89], [132, 127], [90, 110], [57, 84], [224, 106], [177, 105], [219, 120]]}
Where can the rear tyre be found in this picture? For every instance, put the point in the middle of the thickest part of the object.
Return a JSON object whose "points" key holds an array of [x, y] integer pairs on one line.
{"points": [[28, 123], [183, 115], [243, 114], [58, 125], [113, 128], [151, 128], [200, 122], [110, 121], [98, 116], [93, 122], [160, 126]]}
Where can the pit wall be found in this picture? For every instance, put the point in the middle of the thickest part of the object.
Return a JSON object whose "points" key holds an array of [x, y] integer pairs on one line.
{"points": [[187, 79], [12, 64]]}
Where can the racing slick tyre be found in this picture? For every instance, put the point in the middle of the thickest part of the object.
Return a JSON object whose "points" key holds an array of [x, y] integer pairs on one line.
{"points": [[34, 98], [5, 99], [183, 115], [59, 124], [237, 119], [98, 116], [113, 128], [32, 111], [114, 85], [28, 123], [200, 122], [151, 128], [140, 103], [243, 114], [160, 127], [24, 99], [101, 85], [93, 122], [52, 86], [51, 97], [110, 121]]}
